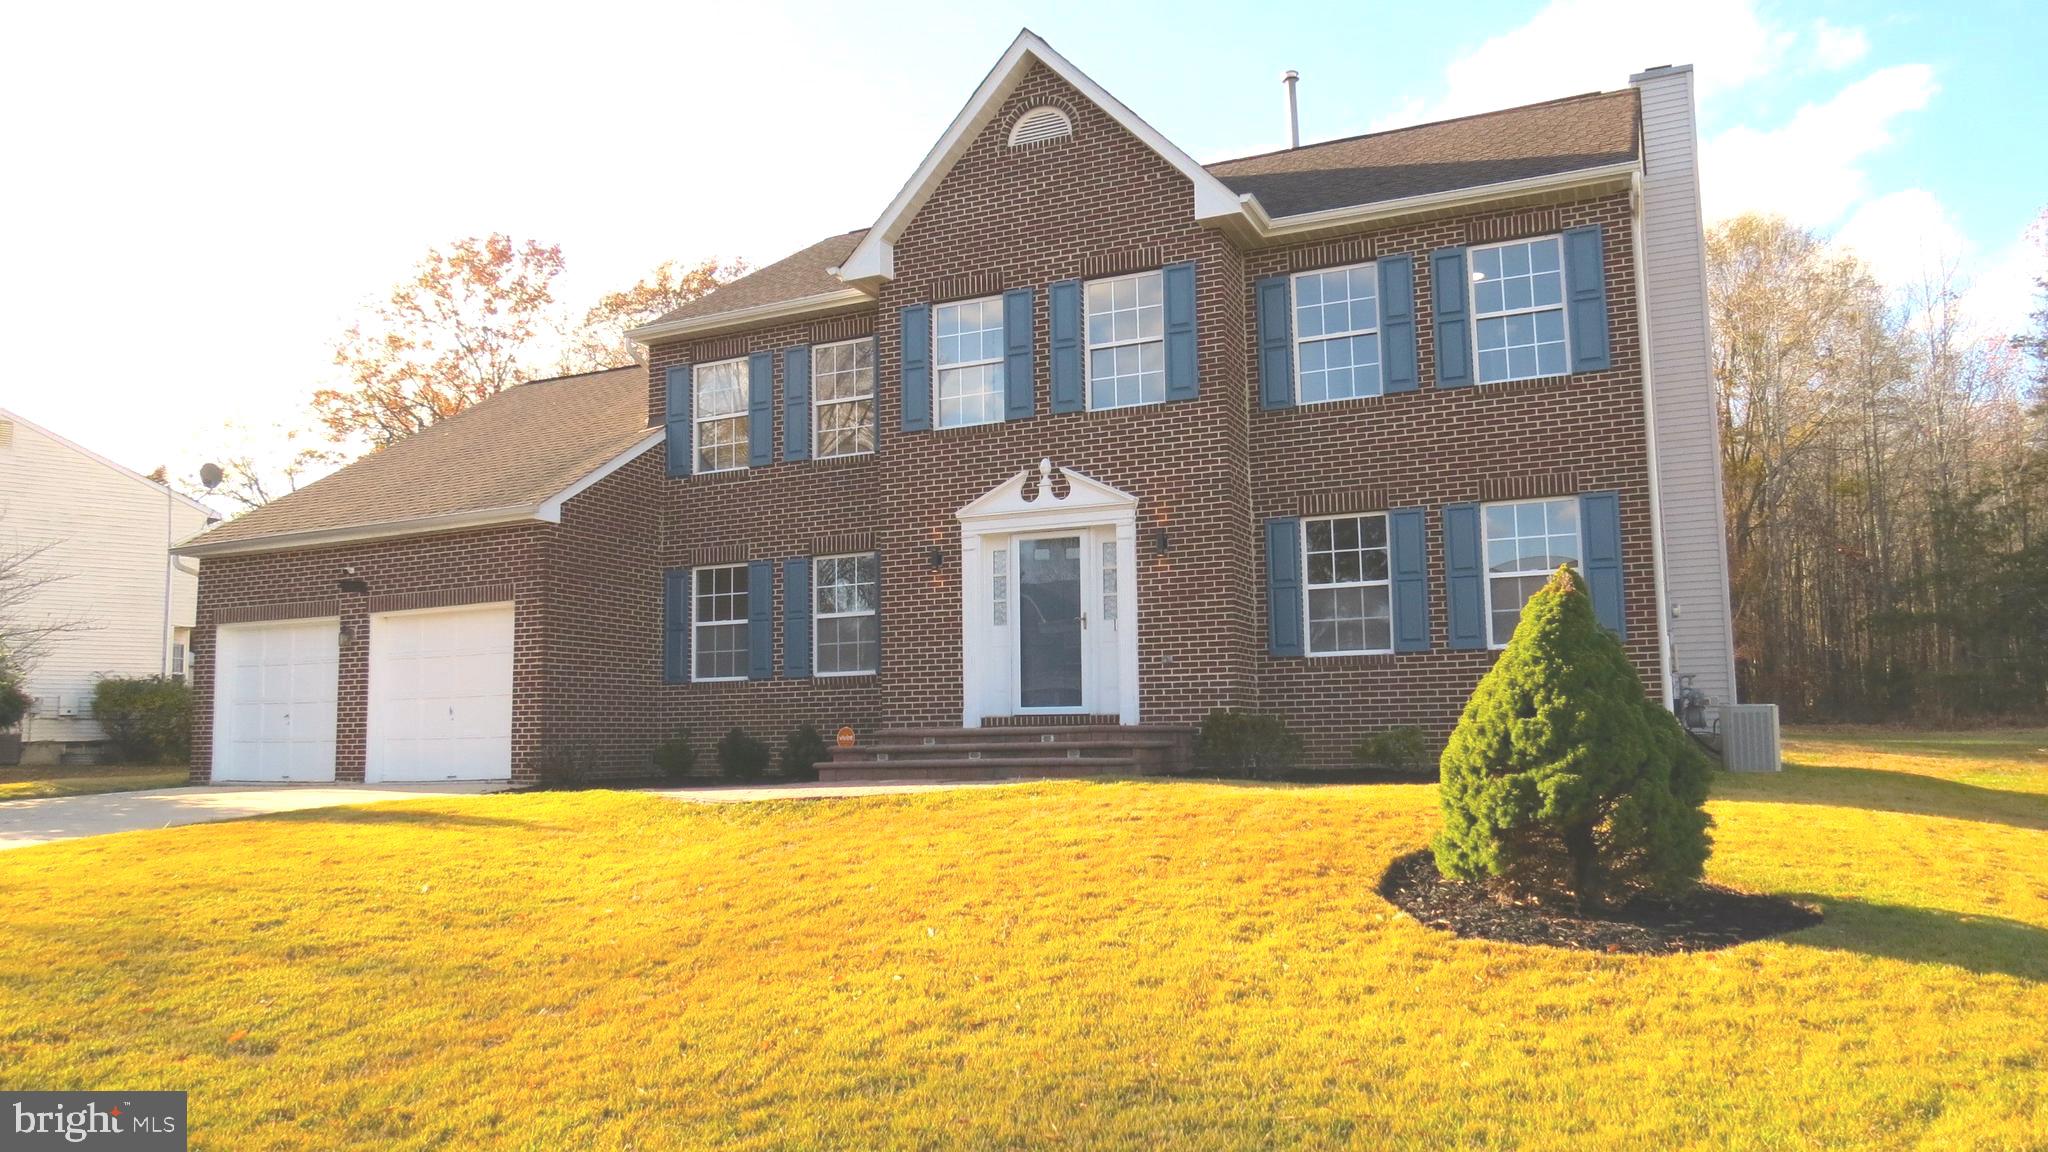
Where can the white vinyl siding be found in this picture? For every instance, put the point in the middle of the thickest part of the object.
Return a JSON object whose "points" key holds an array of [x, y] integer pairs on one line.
{"points": [[718, 623], [967, 351], [719, 409], [1126, 341], [1349, 597], [1337, 333], [1518, 310], [843, 395], [1526, 541], [846, 634]]}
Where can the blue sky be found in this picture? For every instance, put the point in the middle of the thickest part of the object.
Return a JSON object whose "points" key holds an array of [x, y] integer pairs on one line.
{"points": [[216, 190]]}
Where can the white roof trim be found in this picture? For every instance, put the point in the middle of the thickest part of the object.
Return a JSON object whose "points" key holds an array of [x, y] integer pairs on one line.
{"points": [[313, 537], [139, 478], [874, 258], [1008, 502], [740, 317], [551, 509], [1277, 227]]}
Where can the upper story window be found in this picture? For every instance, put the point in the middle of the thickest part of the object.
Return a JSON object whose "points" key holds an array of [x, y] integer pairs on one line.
{"points": [[1039, 125], [843, 391], [720, 623], [1126, 341], [846, 591], [968, 351], [720, 411], [1337, 333], [1525, 542], [1350, 601], [1518, 309]]}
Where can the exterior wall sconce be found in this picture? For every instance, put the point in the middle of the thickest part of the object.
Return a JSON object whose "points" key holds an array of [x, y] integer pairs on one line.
{"points": [[936, 558], [348, 633], [1161, 543]]}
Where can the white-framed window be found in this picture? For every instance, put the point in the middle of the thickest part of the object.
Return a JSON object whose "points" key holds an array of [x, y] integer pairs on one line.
{"points": [[1126, 341], [1526, 540], [843, 398], [967, 348], [845, 633], [1350, 597], [719, 623], [719, 410], [1337, 333], [1518, 309]]}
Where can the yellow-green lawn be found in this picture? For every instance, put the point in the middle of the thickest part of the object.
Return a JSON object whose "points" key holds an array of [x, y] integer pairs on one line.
{"points": [[34, 783], [1074, 965]]}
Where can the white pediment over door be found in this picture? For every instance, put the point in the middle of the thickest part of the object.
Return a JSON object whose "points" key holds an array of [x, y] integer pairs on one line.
{"points": [[1032, 497]]}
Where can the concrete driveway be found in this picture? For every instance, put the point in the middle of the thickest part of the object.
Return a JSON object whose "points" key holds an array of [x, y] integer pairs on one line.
{"points": [[26, 822]]}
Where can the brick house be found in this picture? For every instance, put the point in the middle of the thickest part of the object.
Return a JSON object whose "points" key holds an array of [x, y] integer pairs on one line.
{"points": [[1080, 438]]}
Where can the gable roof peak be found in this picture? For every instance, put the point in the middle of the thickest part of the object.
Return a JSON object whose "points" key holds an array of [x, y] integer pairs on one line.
{"points": [[873, 259]]}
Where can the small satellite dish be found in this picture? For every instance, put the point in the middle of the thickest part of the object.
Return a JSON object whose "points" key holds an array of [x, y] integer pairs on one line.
{"points": [[210, 475]]}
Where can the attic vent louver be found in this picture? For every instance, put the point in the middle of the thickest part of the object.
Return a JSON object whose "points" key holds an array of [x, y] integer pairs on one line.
{"points": [[1040, 125], [6, 433]]}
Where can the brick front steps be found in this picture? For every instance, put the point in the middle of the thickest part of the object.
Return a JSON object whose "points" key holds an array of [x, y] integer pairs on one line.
{"points": [[1013, 751]]}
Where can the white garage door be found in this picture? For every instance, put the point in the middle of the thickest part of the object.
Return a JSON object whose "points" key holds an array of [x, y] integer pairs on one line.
{"points": [[441, 694], [273, 703]]}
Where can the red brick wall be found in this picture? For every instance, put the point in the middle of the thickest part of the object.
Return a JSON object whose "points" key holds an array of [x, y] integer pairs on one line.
{"points": [[1435, 447], [516, 555]]}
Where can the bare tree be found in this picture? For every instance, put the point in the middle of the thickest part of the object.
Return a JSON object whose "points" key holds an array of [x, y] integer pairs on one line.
{"points": [[27, 632]]}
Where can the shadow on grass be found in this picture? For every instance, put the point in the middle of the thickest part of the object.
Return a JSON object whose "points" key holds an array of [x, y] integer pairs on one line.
{"points": [[1884, 790], [1981, 944], [382, 815]]}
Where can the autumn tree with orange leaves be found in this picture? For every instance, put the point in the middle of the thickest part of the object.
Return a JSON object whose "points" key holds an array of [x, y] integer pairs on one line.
{"points": [[601, 340], [462, 329]]}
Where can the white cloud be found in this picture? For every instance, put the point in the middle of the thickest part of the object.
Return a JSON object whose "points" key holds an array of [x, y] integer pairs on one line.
{"points": [[1810, 169], [1907, 237], [2005, 291], [1577, 45], [1836, 48]]}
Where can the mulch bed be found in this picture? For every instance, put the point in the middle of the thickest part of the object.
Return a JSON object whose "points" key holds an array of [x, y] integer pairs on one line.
{"points": [[1710, 918]]}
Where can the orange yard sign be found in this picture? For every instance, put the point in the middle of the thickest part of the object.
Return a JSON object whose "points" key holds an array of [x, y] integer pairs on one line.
{"points": [[846, 737]]}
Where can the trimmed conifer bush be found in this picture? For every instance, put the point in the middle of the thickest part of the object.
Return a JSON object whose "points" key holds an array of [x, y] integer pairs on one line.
{"points": [[1562, 778]]}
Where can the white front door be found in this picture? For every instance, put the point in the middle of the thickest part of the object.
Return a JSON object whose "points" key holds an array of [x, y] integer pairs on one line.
{"points": [[441, 694], [273, 700]]}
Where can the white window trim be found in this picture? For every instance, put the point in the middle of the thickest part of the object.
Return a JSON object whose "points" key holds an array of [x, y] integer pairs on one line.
{"points": [[1297, 340], [697, 622], [939, 371], [1562, 307], [818, 406], [816, 615], [1307, 641], [1486, 573], [1089, 346], [698, 419]]}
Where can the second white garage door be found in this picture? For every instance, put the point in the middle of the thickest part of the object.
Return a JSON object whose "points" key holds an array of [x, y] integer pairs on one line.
{"points": [[441, 694]]}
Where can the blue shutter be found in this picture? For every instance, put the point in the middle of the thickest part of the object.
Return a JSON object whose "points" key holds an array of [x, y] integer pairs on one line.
{"points": [[1067, 392], [760, 619], [1410, 562], [796, 617], [1283, 586], [1585, 288], [677, 444], [1397, 323], [760, 409], [1600, 529], [1449, 289], [1183, 378], [1276, 344], [796, 403], [675, 626], [917, 368], [1464, 576], [1020, 386]]}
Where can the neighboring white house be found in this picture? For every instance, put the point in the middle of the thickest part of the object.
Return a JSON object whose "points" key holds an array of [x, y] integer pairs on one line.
{"points": [[109, 531]]}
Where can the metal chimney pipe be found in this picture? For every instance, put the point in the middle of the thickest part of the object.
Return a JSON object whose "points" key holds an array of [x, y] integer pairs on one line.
{"points": [[1291, 78]]}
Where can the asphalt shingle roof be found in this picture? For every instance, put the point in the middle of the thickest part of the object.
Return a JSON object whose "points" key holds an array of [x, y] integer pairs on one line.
{"points": [[517, 449]]}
